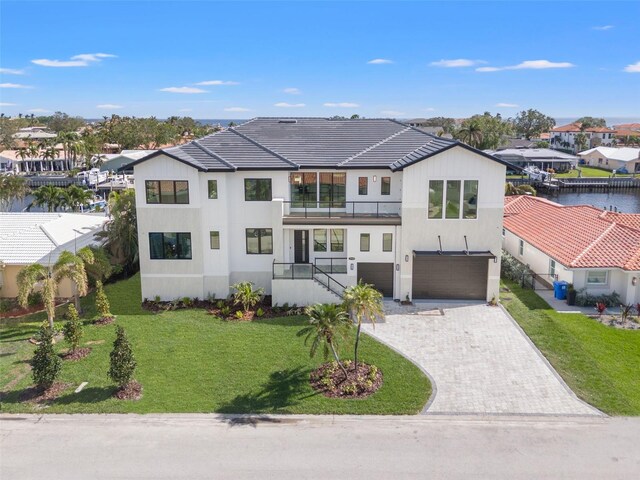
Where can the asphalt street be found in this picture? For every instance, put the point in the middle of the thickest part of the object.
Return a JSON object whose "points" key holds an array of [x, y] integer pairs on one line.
{"points": [[282, 447]]}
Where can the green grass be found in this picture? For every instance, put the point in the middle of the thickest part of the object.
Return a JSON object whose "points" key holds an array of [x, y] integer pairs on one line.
{"points": [[587, 172], [599, 363], [189, 361]]}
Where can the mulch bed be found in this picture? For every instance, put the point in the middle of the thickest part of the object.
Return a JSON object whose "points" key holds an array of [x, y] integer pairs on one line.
{"points": [[36, 395], [131, 391], [616, 322], [78, 354], [16, 310], [329, 380], [104, 321]]}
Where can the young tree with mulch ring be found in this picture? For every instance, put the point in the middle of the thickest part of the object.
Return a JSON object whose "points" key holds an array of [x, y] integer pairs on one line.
{"points": [[123, 366], [45, 364], [102, 305], [73, 334]]}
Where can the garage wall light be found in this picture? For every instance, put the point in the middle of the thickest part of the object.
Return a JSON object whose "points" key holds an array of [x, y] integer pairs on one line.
{"points": [[634, 281], [406, 258]]}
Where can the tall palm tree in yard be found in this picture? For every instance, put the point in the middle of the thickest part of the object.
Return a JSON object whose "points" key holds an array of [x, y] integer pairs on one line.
{"points": [[121, 232], [49, 196], [328, 325], [471, 134], [75, 197], [68, 265], [363, 302]]}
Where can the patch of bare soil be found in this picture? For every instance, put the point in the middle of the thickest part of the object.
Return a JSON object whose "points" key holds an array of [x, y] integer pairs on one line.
{"points": [[77, 354], [616, 321], [329, 380], [38, 396], [131, 391], [104, 321]]}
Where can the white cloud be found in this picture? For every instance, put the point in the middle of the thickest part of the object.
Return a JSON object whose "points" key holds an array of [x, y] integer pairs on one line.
{"points": [[11, 71], [633, 68], [380, 61], [341, 105], [529, 65], [430, 109], [456, 63], [109, 106], [13, 85], [183, 90], [603, 27], [289, 105], [507, 105], [82, 60], [237, 109], [38, 110], [186, 110], [292, 91], [392, 113], [7, 104], [217, 82]]}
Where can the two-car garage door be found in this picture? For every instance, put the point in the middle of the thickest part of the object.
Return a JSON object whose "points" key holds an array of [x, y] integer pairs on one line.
{"points": [[444, 276]]}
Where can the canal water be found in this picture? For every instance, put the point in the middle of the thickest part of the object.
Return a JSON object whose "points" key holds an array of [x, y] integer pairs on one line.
{"points": [[626, 201]]}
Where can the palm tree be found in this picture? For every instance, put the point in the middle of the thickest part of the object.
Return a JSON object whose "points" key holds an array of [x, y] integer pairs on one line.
{"points": [[328, 324], [72, 266], [363, 302], [23, 153], [50, 153], [471, 134], [36, 275], [121, 233], [48, 195], [580, 140], [75, 197]]}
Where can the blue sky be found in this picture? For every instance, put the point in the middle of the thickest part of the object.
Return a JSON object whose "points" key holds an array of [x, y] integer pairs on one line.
{"points": [[243, 59]]}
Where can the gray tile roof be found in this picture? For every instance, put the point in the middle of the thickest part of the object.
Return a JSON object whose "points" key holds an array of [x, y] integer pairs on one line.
{"points": [[278, 143]]}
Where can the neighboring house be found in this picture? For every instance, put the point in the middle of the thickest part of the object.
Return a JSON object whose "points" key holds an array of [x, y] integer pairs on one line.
{"points": [[591, 248], [119, 162], [10, 160], [517, 143], [27, 134], [543, 158], [565, 135], [27, 238], [613, 158], [305, 207]]}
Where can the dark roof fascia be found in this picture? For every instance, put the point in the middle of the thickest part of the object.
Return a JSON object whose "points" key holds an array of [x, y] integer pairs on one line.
{"points": [[456, 144], [163, 152], [453, 253], [264, 169]]}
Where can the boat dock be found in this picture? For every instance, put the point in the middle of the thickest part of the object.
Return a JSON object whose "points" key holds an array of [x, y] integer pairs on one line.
{"points": [[578, 184]]}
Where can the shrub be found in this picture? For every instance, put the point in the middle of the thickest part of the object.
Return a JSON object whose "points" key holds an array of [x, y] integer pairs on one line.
{"points": [[157, 299], [225, 311], [187, 302], [511, 268], [45, 364], [239, 315], [123, 363], [220, 304], [5, 305], [601, 307], [35, 299], [102, 302], [246, 295], [260, 312], [585, 299], [625, 312], [73, 328]]}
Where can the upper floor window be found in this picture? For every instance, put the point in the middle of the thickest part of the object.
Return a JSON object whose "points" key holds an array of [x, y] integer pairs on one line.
{"points": [[387, 242], [453, 199], [257, 189], [385, 186], [365, 242], [259, 240], [167, 191], [170, 246], [212, 187], [363, 185], [337, 240]]}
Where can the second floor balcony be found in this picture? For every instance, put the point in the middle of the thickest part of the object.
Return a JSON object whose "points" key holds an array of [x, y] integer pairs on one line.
{"points": [[342, 212]]}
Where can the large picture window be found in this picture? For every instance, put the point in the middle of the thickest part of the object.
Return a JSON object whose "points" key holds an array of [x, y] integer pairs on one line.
{"points": [[170, 246], [337, 240], [167, 191], [320, 240], [257, 189], [453, 199], [597, 277], [259, 241], [304, 189], [333, 190]]}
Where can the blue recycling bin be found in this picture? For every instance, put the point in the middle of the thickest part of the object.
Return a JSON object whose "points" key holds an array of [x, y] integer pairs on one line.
{"points": [[560, 289]]}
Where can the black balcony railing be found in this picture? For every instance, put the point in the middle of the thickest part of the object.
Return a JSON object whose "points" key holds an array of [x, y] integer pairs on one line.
{"points": [[333, 265], [307, 271], [310, 209]]}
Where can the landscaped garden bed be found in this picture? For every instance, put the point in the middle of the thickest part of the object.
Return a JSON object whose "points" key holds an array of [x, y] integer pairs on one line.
{"points": [[191, 361], [330, 380]]}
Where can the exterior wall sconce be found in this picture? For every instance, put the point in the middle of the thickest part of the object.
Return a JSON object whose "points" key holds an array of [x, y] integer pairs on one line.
{"points": [[406, 258], [375, 178], [351, 266], [634, 281], [397, 267]]}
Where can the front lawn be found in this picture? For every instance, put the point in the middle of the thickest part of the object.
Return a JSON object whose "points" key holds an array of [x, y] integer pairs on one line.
{"points": [[601, 364], [189, 361], [587, 172]]}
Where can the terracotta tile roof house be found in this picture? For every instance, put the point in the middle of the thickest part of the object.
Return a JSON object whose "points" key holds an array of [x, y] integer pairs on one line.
{"points": [[564, 136], [581, 244]]}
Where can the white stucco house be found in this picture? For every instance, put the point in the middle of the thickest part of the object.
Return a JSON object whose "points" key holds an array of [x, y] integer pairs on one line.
{"points": [[565, 136], [613, 158], [308, 206], [591, 248]]}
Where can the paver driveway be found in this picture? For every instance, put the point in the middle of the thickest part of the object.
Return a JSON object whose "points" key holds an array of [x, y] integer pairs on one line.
{"points": [[480, 361]]}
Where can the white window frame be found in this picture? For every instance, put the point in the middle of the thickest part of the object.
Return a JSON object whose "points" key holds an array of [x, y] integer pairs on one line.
{"points": [[606, 278], [553, 266]]}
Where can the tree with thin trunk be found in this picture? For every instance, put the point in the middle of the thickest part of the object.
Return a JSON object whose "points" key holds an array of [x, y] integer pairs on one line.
{"points": [[328, 325], [72, 266], [73, 329], [49, 196], [45, 364], [32, 276], [123, 363], [364, 303], [12, 188]]}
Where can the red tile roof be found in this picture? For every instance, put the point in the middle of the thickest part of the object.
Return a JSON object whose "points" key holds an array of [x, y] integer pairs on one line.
{"points": [[628, 126], [577, 236], [575, 127]]}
